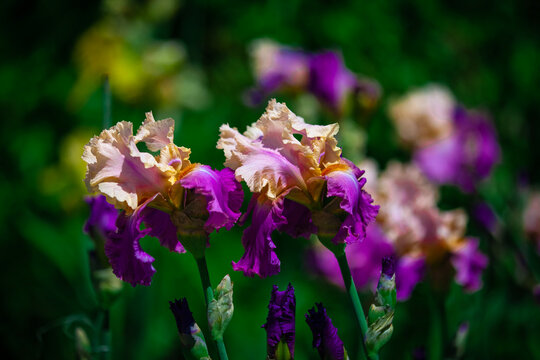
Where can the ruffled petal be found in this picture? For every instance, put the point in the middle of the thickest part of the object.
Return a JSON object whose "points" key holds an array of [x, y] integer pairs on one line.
{"points": [[299, 222], [118, 170], [128, 260], [355, 202], [280, 323], [469, 263], [223, 194], [160, 225], [259, 257], [409, 272], [156, 134]]}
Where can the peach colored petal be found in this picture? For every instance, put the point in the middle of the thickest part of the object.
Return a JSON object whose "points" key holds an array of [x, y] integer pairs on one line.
{"points": [[156, 134], [118, 170]]}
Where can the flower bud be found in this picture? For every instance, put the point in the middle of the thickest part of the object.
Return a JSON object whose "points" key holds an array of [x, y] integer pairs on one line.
{"points": [[221, 308], [191, 336]]}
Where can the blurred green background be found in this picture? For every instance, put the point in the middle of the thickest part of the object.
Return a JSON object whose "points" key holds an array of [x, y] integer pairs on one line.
{"points": [[189, 60]]}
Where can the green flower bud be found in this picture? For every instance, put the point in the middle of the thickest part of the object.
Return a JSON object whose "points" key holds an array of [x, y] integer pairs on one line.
{"points": [[221, 308]]}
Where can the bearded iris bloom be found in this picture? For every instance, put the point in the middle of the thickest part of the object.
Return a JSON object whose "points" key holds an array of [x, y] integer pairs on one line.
{"points": [[173, 197], [301, 185]]}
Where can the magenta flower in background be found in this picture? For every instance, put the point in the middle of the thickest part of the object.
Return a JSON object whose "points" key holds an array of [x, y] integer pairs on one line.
{"points": [[300, 184], [325, 336], [276, 68], [465, 157], [330, 80], [280, 326], [364, 259], [469, 263], [170, 195], [324, 74]]}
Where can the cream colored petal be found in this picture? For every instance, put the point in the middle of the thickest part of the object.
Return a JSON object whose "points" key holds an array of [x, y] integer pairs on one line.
{"points": [[156, 134], [118, 170], [263, 169]]}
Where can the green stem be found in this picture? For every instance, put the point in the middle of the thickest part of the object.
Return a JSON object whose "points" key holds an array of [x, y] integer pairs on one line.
{"points": [[355, 300], [209, 296], [222, 350], [102, 338], [437, 331]]}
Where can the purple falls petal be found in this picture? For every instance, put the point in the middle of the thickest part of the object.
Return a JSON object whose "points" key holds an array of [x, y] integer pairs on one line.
{"points": [[469, 263], [356, 202], [160, 226], [299, 222], [325, 336], [259, 257], [223, 194], [280, 321], [129, 262]]}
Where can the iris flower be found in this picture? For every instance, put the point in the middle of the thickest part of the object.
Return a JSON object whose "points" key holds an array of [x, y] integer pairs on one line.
{"points": [[279, 325], [325, 337], [173, 197], [301, 185]]}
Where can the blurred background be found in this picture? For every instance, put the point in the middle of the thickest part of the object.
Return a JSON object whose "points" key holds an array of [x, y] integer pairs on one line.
{"points": [[190, 60]]}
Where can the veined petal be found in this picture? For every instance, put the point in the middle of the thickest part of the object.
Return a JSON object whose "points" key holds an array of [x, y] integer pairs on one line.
{"points": [[223, 194], [156, 134], [259, 257], [118, 170], [354, 201]]}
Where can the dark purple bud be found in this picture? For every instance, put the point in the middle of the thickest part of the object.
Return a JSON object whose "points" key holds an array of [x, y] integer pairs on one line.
{"points": [[325, 336], [389, 265], [280, 321], [182, 315]]}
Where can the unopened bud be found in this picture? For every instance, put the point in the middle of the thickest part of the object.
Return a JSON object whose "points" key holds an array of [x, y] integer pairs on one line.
{"points": [[221, 308]]}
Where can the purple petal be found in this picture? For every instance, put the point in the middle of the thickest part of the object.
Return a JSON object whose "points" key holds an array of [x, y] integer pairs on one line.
{"points": [[364, 259], [280, 321], [129, 262], [102, 218], [325, 336], [259, 257], [330, 80], [465, 157], [223, 194], [469, 263], [355, 202], [409, 272], [160, 225], [299, 222]]}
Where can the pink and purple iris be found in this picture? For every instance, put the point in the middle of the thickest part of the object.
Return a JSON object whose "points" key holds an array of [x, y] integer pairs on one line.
{"points": [[171, 196], [466, 156], [323, 74], [301, 185]]}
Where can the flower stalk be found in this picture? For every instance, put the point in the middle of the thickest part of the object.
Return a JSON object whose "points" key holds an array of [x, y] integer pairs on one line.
{"points": [[208, 297], [339, 252]]}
